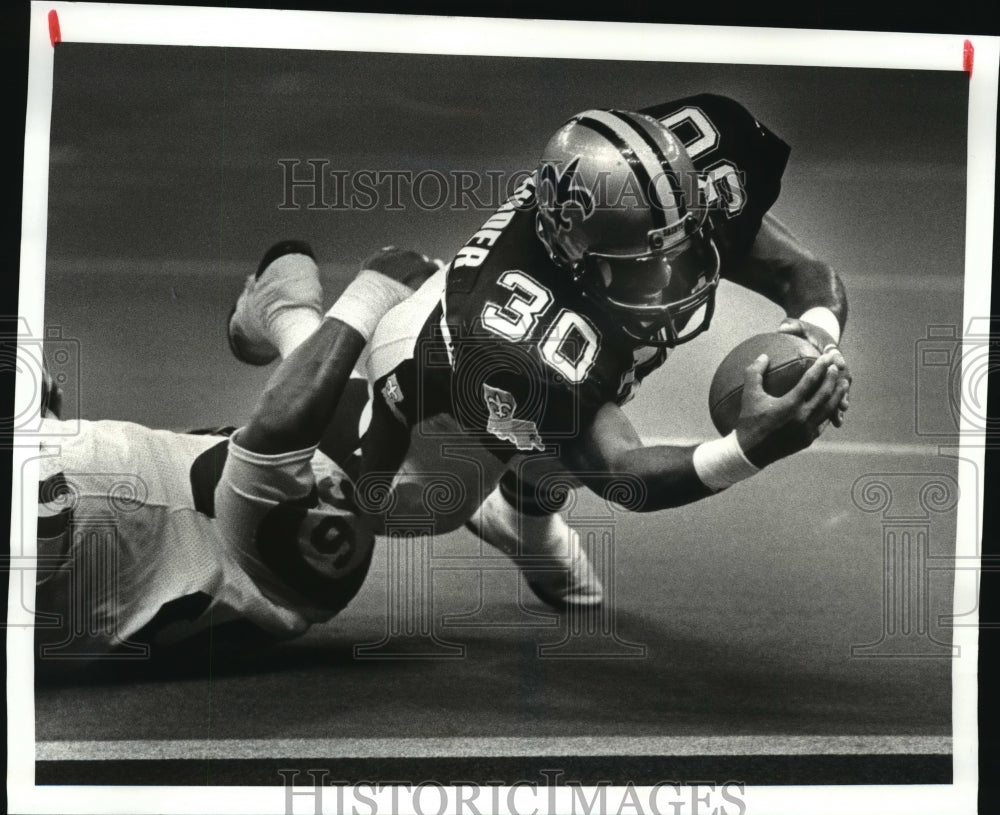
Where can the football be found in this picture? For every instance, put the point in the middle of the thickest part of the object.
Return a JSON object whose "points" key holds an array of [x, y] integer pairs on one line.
{"points": [[789, 357]]}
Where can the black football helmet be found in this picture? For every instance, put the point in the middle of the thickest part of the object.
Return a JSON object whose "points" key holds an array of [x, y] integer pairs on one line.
{"points": [[620, 207]]}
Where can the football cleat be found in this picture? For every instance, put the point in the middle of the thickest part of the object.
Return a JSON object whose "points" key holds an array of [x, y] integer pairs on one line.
{"points": [[547, 551], [287, 277]]}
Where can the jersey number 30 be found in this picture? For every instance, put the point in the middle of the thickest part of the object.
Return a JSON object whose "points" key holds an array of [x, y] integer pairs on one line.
{"points": [[570, 343]]}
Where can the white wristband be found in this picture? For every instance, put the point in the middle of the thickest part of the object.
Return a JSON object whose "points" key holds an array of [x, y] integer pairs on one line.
{"points": [[722, 462], [367, 300], [823, 318]]}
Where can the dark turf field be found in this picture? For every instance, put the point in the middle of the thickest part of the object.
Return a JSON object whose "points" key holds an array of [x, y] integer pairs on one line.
{"points": [[746, 636]]}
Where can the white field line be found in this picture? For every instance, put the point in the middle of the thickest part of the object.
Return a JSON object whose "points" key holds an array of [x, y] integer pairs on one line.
{"points": [[849, 448], [199, 749]]}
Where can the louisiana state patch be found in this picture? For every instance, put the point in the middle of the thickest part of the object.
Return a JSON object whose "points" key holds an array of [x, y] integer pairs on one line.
{"points": [[522, 433]]}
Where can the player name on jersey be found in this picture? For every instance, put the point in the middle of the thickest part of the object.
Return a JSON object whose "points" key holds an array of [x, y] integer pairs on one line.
{"points": [[477, 248]]}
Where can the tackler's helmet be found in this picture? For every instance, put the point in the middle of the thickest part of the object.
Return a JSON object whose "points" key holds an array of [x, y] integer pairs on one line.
{"points": [[621, 209]]}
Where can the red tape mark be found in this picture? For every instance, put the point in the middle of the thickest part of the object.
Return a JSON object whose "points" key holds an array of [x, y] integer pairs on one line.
{"points": [[55, 35], [968, 56]]}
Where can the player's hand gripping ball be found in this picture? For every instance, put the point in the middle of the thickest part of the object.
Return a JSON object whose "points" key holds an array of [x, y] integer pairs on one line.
{"points": [[789, 357]]}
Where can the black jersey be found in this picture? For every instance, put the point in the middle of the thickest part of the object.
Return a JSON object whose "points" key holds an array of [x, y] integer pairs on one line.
{"points": [[532, 357], [741, 161]]}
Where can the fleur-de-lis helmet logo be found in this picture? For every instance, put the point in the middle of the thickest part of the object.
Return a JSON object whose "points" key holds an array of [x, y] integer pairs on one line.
{"points": [[559, 193]]}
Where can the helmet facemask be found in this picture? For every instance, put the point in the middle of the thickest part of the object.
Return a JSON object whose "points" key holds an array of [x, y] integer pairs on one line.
{"points": [[664, 297]]}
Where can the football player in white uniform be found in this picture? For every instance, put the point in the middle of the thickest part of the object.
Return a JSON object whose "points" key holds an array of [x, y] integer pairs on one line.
{"points": [[524, 349], [149, 537]]}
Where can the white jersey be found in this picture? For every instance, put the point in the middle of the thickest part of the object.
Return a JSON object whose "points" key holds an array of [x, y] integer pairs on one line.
{"points": [[150, 536]]}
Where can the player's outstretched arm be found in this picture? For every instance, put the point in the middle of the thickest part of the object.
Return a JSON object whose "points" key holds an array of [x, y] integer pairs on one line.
{"points": [[304, 552], [782, 269], [610, 450], [769, 428], [299, 399], [293, 410]]}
